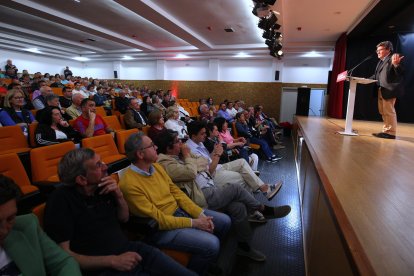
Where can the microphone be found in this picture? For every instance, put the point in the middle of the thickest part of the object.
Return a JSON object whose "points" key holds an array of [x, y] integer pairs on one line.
{"points": [[365, 59]]}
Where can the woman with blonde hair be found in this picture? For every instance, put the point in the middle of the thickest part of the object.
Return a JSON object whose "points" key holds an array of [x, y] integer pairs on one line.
{"points": [[13, 112], [174, 123]]}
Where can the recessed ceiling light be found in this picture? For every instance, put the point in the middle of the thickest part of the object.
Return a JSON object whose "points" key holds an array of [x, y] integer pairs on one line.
{"points": [[77, 1], [81, 58], [127, 58], [242, 55], [312, 54], [181, 56], [33, 50]]}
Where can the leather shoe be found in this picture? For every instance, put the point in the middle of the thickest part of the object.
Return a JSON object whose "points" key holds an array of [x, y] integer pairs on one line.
{"points": [[384, 135]]}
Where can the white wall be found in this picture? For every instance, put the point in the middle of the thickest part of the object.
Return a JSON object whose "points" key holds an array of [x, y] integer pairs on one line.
{"points": [[138, 70], [306, 71], [303, 70], [196, 70], [99, 70], [34, 63], [247, 70]]}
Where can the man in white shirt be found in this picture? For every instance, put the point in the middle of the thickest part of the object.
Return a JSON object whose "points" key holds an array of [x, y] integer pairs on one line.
{"points": [[237, 172]]}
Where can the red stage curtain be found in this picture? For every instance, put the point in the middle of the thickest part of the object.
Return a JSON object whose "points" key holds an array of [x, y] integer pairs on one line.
{"points": [[336, 90]]}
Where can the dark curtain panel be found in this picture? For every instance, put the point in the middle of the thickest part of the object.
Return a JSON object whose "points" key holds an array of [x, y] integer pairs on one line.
{"points": [[336, 90], [366, 95]]}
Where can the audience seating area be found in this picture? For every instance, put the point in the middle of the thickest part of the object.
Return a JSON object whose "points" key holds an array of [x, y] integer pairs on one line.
{"points": [[36, 174]]}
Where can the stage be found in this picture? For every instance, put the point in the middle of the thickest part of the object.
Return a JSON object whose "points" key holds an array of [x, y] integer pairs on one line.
{"points": [[368, 185]]}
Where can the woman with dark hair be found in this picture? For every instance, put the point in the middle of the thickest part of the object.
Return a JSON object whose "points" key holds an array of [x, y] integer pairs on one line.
{"points": [[147, 105], [209, 102], [157, 129], [13, 112], [53, 129]]}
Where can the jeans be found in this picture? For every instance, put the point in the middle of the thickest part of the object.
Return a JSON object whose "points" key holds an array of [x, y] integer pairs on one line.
{"points": [[234, 201], [263, 145], [203, 246], [154, 262]]}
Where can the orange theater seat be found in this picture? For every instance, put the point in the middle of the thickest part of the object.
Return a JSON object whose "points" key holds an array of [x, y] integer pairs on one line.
{"points": [[104, 145], [45, 160], [182, 257], [57, 91], [236, 135], [145, 129], [11, 166], [121, 120], [32, 130], [100, 111], [39, 212], [12, 140], [113, 122], [122, 136]]}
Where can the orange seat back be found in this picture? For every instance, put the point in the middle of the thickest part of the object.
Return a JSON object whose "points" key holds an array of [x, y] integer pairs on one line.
{"points": [[45, 160], [145, 129], [11, 166], [103, 145], [234, 130], [179, 256], [100, 111], [112, 122], [57, 91], [39, 212], [12, 137], [32, 130], [122, 136], [34, 112], [121, 120]]}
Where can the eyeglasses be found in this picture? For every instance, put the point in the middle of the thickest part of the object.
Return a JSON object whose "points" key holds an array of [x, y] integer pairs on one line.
{"points": [[18, 98], [152, 145]]}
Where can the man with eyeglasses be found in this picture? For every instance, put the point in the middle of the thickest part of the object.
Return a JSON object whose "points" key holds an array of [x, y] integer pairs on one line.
{"points": [[183, 225], [389, 74], [84, 216]]}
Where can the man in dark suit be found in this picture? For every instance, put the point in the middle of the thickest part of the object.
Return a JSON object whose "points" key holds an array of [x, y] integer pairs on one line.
{"points": [[389, 74], [134, 117]]}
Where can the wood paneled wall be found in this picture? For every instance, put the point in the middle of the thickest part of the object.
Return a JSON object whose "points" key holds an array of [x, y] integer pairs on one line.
{"points": [[267, 94]]}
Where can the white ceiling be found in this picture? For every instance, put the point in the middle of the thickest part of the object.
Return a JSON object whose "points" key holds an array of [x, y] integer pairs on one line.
{"points": [[161, 29]]}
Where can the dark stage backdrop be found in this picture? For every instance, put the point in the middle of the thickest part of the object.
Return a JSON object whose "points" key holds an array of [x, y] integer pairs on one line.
{"points": [[366, 99]]}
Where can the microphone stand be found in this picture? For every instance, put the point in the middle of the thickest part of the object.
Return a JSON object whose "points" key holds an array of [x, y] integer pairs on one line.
{"points": [[365, 59]]}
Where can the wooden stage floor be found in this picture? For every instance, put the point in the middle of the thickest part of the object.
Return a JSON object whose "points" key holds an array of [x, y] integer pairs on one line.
{"points": [[371, 182]]}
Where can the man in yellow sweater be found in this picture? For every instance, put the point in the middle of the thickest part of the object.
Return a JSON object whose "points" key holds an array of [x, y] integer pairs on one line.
{"points": [[183, 225]]}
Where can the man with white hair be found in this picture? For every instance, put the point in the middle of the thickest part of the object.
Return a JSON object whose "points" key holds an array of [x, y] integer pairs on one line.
{"points": [[40, 101], [74, 110]]}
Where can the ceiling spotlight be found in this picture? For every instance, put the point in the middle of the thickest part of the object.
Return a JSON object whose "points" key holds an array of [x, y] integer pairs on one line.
{"points": [[267, 2], [260, 10]]}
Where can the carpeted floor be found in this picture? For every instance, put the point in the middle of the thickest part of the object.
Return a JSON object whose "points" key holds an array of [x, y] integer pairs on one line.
{"points": [[279, 239]]}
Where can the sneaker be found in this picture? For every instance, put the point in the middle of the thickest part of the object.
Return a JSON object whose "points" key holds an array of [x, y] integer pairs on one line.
{"points": [[271, 160], [276, 212], [257, 217], [253, 254], [275, 159], [272, 190], [257, 173]]}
